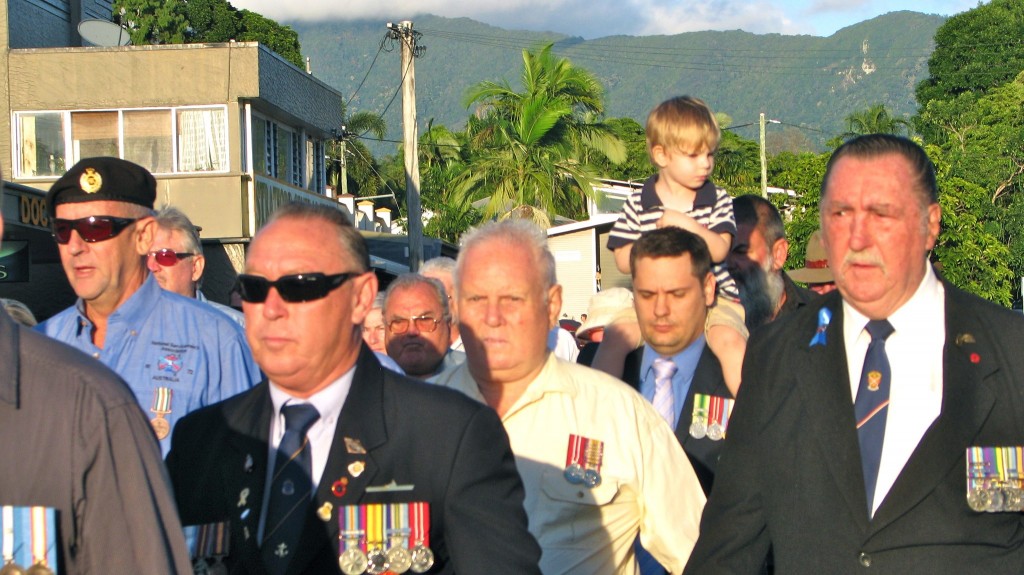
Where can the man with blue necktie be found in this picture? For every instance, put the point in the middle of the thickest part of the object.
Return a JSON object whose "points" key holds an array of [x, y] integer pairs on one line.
{"points": [[850, 445]]}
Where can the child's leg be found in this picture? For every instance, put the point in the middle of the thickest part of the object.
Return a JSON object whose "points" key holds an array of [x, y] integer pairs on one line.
{"points": [[729, 347], [727, 338], [620, 338]]}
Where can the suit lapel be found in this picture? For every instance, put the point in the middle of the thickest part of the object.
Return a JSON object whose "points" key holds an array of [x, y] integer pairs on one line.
{"points": [[707, 379], [966, 404], [246, 472], [823, 383]]}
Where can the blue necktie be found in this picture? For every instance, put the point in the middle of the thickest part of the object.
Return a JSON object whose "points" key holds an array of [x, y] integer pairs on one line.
{"points": [[289, 489], [871, 406]]}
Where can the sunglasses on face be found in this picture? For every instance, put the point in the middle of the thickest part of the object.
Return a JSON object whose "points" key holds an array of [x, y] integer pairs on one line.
{"points": [[168, 257], [92, 229], [294, 288]]}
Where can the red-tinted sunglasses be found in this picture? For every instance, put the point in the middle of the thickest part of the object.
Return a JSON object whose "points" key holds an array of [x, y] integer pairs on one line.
{"points": [[92, 229], [168, 257]]}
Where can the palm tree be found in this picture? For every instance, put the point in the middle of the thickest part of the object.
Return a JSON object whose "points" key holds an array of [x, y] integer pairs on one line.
{"points": [[528, 147], [874, 120]]}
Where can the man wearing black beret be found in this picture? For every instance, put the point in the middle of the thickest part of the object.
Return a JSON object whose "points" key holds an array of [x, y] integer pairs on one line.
{"points": [[175, 353]]}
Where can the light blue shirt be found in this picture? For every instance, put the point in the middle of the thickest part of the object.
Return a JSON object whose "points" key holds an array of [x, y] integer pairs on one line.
{"points": [[161, 339], [236, 316], [686, 363]]}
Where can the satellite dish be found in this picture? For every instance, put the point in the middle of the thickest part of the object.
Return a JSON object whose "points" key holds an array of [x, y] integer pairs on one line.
{"points": [[103, 33]]}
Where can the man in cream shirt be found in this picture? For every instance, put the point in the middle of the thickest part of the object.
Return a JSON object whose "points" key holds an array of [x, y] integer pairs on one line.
{"points": [[600, 466]]}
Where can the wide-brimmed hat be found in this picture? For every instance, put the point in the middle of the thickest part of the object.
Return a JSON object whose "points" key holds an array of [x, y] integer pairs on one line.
{"points": [[815, 270], [607, 307]]}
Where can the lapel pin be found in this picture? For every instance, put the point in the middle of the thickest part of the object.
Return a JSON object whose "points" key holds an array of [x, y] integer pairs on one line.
{"points": [[324, 513], [356, 468], [824, 317], [964, 338], [354, 446], [975, 358], [242, 497], [245, 532], [248, 463], [339, 487]]}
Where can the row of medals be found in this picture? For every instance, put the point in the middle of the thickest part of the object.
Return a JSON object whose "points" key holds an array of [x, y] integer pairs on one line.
{"points": [[699, 429], [12, 568], [997, 497], [397, 558]]}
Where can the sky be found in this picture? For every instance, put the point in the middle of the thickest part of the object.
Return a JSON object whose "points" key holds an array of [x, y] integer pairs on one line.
{"points": [[598, 18]]}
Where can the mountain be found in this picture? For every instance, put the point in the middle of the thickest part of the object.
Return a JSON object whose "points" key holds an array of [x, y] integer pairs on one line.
{"points": [[808, 83]]}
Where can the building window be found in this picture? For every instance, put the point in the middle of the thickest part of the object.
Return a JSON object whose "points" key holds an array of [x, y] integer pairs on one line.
{"points": [[202, 140], [41, 141], [259, 146], [163, 140]]}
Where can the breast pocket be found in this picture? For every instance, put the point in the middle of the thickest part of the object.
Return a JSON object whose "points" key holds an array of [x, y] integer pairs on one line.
{"points": [[569, 511]]}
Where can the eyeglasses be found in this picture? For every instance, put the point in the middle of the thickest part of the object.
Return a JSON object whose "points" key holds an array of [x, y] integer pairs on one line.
{"points": [[92, 229], [425, 324], [294, 288], [168, 257]]}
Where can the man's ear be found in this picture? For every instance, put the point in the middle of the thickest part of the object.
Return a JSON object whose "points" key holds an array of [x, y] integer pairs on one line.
{"points": [[780, 253], [145, 231], [364, 290], [198, 265]]}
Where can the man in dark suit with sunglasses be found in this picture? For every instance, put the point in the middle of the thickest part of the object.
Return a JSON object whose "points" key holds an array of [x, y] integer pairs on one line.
{"points": [[176, 353], [331, 428]]}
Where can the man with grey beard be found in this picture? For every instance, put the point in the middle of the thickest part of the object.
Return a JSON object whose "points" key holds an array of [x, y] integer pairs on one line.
{"points": [[758, 254]]}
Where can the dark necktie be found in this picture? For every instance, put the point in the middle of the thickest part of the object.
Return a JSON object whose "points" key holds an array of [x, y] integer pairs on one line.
{"points": [[871, 406], [289, 489]]}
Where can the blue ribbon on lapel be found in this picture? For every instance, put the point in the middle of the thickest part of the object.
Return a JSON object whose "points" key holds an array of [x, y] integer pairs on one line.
{"points": [[824, 316]]}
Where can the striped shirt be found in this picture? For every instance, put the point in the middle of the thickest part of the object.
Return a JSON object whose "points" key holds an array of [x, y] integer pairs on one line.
{"points": [[712, 208]]}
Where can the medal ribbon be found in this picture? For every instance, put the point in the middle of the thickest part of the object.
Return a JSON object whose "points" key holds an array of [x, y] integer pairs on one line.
{"points": [[726, 413], [8, 535], [700, 407], [574, 452], [353, 519], [714, 410], [594, 451], [162, 400], [419, 522], [399, 521], [375, 534], [44, 536]]}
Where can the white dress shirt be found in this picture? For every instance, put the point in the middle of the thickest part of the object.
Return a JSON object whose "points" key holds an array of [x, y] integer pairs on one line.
{"points": [[915, 357]]}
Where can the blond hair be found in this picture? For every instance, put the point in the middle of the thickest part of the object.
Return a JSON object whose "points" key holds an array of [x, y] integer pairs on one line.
{"points": [[683, 123]]}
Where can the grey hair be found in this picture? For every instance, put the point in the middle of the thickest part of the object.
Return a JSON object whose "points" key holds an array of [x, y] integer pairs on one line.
{"points": [[173, 219], [517, 232], [349, 238], [409, 280], [442, 264]]}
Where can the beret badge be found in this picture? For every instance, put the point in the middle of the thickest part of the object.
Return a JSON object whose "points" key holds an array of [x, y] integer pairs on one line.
{"points": [[91, 181]]}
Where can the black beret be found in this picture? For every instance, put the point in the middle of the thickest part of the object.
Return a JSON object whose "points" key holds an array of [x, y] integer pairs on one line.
{"points": [[97, 179]]}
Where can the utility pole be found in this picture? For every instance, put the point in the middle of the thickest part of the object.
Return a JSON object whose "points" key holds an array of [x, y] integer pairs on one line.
{"points": [[410, 137], [764, 157], [344, 161], [764, 162]]}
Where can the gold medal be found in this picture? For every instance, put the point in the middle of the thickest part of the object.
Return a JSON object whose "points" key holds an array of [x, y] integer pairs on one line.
{"points": [[324, 513], [161, 426], [12, 568], [39, 569]]}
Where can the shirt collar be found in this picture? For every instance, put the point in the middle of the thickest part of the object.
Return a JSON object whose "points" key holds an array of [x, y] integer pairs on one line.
{"points": [[912, 316], [706, 195], [328, 401], [686, 360], [134, 311]]}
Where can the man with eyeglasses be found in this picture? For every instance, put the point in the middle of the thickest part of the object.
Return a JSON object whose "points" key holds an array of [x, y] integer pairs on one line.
{"points": [[176, 354], [417, 324], [176, 259], [304, 462]]}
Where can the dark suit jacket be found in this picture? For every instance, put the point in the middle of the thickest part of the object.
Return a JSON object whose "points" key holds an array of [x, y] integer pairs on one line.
{"points": [[453, 450], [790, 473], [707, 379]]}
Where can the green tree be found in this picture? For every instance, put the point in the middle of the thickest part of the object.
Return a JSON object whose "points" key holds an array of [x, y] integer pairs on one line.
{"points": [[527, 145], [153, 21], [975, 51], [253, 27], [637, 165], [362, 174], [874, 120]]}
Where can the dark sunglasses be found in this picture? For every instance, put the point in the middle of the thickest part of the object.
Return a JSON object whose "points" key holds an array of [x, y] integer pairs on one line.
{"points": [[293, 288], [168, 257], [92, 229]]}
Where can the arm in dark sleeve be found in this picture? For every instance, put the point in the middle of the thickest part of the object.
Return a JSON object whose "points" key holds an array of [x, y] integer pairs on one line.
{"points": [[127, 522], [485, 524]]}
